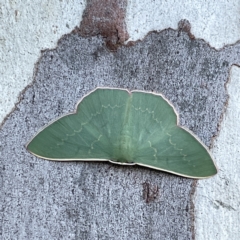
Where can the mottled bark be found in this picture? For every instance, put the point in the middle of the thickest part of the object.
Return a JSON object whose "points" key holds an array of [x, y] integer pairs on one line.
{"points": [[58, 200], [106, 18]]}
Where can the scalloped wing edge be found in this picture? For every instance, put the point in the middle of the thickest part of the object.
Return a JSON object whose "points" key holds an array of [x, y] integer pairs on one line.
{"points": [[119, 163]]}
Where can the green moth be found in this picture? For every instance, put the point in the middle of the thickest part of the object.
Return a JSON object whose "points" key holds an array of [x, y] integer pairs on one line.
{"points": [[125, 128]]}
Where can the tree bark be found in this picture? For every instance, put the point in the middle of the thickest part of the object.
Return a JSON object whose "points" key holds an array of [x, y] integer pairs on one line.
{"points": [[81, 200]]}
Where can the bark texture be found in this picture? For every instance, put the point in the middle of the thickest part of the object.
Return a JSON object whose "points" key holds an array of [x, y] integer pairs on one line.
{"points": [[105, 18], [79, 200]]}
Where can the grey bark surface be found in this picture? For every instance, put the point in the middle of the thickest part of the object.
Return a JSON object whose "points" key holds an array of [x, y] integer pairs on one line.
{"points": [[79, 200]]}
